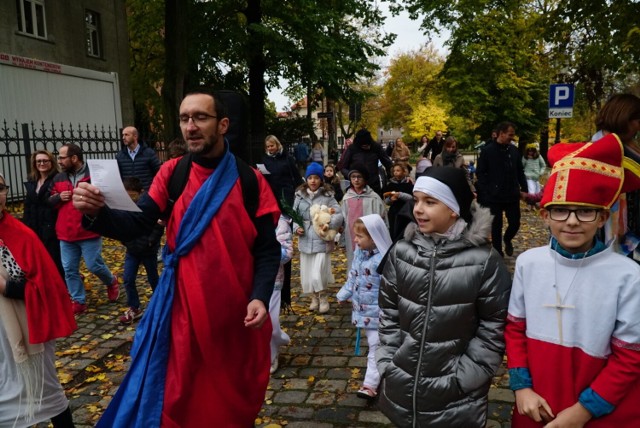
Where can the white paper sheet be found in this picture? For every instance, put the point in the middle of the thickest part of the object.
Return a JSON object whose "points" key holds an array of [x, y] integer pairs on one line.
{"points": [[105, 175], [263, 169]]}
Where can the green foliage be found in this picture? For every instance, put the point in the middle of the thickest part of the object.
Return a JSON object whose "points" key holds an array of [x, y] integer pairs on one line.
{"points": [[321, 48], [495, 73], [147, 60], [503, 55], [599, 44], [412, 81], [289, 130], [318, 47]]}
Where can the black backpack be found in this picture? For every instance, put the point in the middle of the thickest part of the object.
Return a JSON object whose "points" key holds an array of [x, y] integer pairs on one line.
{"points": [[180, 176]]}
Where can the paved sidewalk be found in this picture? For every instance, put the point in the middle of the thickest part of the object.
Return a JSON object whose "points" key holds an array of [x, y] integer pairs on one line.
{"points": [[318, 375]]}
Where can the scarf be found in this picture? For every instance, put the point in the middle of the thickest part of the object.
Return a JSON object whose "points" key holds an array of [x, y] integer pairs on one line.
{"points": [[449, 158], [29, 357], [139, 400], [453, 233]]}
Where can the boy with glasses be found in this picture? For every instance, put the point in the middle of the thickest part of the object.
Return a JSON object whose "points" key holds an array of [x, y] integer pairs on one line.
{"points": [[573, 332]]}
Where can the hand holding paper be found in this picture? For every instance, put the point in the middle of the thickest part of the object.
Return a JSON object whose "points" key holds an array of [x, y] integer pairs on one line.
{"points": [[106, 177]]}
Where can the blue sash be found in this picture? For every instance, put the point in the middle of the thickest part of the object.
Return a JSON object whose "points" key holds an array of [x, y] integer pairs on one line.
{"points": [[139, 400]]}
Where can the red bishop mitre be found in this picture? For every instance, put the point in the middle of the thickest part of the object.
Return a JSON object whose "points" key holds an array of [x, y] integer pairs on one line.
{"points": [[588, 174]]}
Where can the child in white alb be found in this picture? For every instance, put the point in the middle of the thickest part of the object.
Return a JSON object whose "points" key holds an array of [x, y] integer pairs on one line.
{"points": [[573, 332], [279, 337], [362, 287]]}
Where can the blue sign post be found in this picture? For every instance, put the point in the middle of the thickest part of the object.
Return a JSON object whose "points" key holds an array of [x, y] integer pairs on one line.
{"points": [[560, 104], [561, 101]]}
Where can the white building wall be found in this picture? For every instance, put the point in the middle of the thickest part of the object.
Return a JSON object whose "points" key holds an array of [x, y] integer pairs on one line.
{"points": [[39, 91]]}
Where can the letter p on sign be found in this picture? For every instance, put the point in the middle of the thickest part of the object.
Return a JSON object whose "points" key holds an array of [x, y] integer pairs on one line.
{"points": [[561, 100], [562, 94]]}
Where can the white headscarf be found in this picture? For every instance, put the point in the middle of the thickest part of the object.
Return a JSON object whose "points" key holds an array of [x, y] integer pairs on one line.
{"points": [[378, 232], [437, 189]]}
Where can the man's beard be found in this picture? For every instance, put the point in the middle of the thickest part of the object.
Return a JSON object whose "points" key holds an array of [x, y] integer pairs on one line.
{"points": [[203, 150]]}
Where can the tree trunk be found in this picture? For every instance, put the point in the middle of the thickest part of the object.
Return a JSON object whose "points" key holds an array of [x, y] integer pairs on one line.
{"points": [[175, 46], [257, 68], [331, 125]]}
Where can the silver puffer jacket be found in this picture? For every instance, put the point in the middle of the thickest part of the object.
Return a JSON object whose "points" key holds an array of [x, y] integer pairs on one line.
{"points": [[443, 307]]}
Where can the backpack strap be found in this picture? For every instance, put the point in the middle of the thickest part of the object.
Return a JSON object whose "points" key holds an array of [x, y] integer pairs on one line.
{"points": [[177, 183], [249, 183], [180, 176]]}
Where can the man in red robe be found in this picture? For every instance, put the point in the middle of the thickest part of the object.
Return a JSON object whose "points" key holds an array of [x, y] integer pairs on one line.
{"points": [[217, 367]]}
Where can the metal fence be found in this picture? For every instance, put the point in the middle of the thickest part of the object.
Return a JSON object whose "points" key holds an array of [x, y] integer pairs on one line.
{"points": [[18, 141]]}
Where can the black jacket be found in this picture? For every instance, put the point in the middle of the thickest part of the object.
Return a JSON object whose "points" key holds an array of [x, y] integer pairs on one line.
{"points": [[500, 174], [146, 245], [435, 147], [39, 215], [145, 165], [284, 176], [368, 158]]}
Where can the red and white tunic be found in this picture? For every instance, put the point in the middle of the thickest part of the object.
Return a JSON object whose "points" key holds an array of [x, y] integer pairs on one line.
{"points": [[599, 326]]}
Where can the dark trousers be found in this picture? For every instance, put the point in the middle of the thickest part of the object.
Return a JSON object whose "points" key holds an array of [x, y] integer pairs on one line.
{"points": [[131, 265], [512, 211], [63, 420]]}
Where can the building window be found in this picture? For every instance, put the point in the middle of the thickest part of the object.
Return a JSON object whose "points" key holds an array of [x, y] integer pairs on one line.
{"points": [[92, 22], [31, 18]]}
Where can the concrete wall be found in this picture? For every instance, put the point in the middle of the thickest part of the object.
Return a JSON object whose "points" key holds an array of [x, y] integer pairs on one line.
{"points": [[66, 39]]}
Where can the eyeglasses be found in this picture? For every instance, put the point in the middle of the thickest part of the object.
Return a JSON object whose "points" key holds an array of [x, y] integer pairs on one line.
{"points": [[39, 161], [585, 215], [198, 118], [3, 189], [356, 177]]}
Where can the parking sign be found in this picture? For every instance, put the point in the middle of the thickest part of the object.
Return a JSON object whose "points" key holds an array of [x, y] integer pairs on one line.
{"points": [[560, 100]]}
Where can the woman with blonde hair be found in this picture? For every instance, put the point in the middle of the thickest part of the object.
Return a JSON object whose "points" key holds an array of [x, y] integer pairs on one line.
{"points": [[284, 177], [39, 216]]}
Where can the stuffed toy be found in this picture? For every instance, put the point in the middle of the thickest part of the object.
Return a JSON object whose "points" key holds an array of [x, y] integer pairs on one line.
{"points": [[320, 219]]}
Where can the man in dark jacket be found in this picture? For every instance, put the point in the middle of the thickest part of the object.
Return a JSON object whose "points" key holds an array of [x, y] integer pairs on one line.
{"points": [[137, 160], [435, 146], [367, 152], [501, 184]]}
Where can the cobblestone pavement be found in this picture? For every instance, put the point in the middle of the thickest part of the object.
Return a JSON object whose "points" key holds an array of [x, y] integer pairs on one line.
{"points": [[315, 384]]}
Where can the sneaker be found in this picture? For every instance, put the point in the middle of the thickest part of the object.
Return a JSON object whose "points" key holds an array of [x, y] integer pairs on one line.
{"points": [[367, 393], [78, 307], [314, 303], [130, 315], [323, 307], [508, 248], [113, 290], [274, 365]]}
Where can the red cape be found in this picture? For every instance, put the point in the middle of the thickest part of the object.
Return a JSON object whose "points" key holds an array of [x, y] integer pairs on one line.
{"points": [[49, 312]]}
